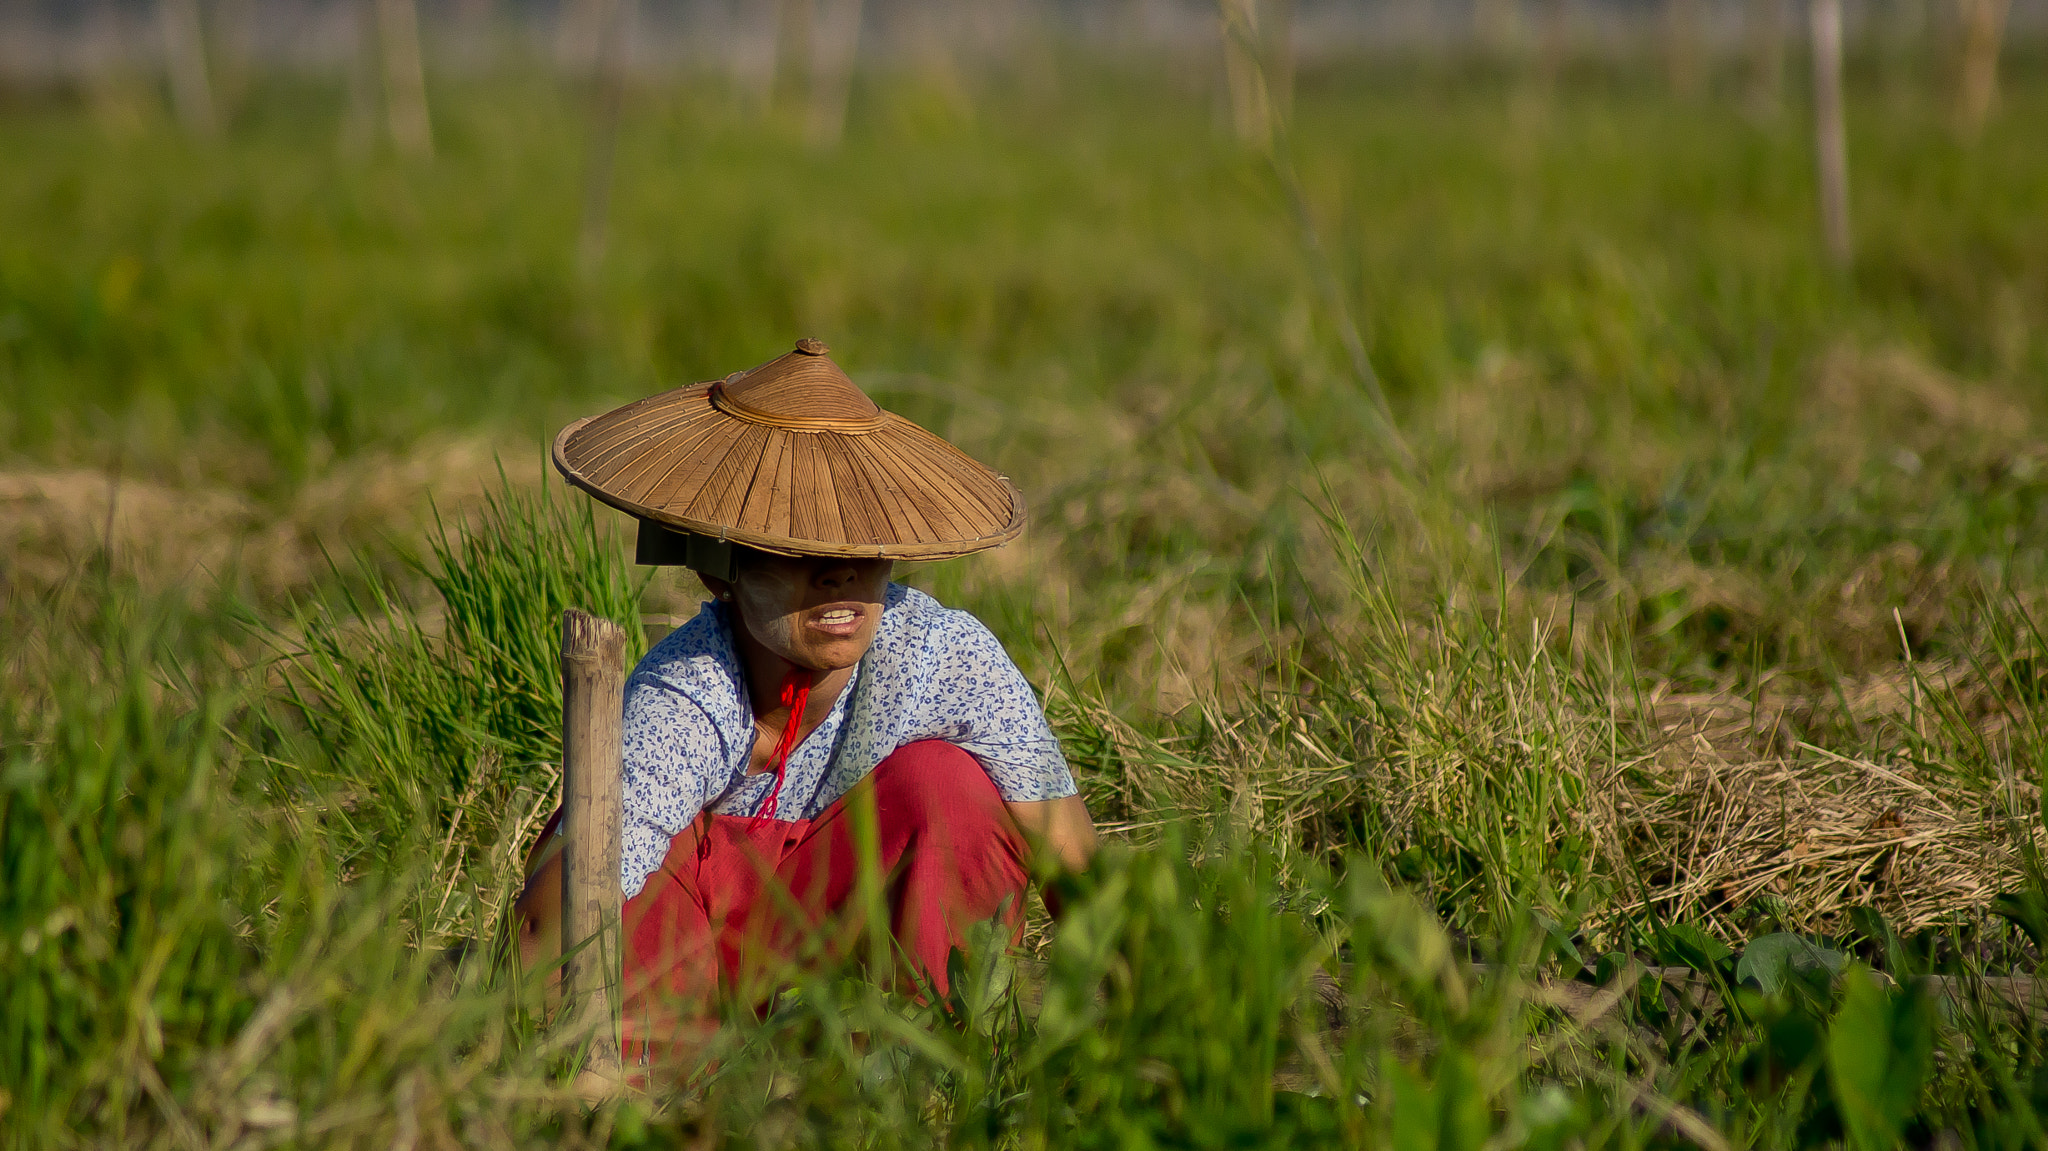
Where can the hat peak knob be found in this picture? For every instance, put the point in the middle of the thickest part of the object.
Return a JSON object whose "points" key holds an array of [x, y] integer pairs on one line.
{"points": [[810, 346]]}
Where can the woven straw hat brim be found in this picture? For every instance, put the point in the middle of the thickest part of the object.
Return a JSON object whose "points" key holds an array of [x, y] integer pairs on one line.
{"points": [[895, 491]]}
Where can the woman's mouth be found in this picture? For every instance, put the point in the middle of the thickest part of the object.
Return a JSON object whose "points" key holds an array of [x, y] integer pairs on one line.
{"points": [[840, 621]]}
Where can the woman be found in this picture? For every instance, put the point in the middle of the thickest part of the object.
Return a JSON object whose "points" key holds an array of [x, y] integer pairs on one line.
{"points": [[809, 692]]}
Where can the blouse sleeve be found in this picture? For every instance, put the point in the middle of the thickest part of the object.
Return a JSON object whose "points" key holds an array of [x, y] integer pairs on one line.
{"points": [[985, 706], [675, 762]]}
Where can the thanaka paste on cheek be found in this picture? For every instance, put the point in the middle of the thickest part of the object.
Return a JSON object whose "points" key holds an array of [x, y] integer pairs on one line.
{"points": [[771, 601], [775, 598]]}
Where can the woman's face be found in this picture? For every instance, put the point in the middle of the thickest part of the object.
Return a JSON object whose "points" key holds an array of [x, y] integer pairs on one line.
{"points": [[817, 612]]}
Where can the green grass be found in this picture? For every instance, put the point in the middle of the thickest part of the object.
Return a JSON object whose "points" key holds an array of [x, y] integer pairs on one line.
{"points": [[1719, 572]]}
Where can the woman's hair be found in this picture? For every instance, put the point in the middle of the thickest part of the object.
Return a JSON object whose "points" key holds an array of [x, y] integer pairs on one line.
{"points": [[743, 557]]}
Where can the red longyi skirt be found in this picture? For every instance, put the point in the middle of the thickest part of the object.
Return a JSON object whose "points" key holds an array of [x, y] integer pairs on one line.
{"points": [[739, 900]]}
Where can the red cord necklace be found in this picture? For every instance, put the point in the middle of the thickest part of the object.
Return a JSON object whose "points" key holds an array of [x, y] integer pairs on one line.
{"points": [[796, 696]]}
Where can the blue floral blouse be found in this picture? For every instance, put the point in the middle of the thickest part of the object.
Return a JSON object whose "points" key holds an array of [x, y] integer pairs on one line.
{"points": [[933, 673]]}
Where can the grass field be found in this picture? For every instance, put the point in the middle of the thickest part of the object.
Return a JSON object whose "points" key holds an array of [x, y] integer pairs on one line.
{"points": [[1704, 632]]}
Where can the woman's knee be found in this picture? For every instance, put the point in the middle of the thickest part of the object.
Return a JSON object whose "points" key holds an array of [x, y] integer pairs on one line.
{"points": [[938, 797], [931, 781]]}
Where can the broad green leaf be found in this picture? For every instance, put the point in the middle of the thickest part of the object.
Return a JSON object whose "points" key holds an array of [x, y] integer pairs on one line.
{"points": [[1688, 946], [1770, 960], [1880, 1050]]}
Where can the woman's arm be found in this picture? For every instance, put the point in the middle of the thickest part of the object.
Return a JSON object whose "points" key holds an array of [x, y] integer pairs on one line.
{"points": [[1059, 829], [537, 916]]}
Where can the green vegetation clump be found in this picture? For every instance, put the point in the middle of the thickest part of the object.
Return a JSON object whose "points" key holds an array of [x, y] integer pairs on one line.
{"points": [[1657, 761]]}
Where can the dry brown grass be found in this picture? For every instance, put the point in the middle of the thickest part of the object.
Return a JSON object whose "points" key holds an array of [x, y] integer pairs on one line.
{"points": [[1890, 403], [169, 535], [1705, 807]]}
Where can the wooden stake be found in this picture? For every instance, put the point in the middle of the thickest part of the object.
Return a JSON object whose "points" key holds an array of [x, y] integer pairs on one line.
{"points": [[405, 78], [185, 60], [593, 688], [1831, 148]]}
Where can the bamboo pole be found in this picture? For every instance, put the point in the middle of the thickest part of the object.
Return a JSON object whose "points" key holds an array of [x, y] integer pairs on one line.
{"points": [[1831, 149], [405, 78], [185, 61], [593, 688]]}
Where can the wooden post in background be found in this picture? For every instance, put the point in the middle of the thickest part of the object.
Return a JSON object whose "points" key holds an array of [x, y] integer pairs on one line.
{"points": [[834, 50], [752, 53], [1977, 91], [1831, 149], [1276, 28], [1684, 48], [593, 687], [1763, 25], [405, 78], [359, 122], [616, 19], [184, 40], [1251, 106]]}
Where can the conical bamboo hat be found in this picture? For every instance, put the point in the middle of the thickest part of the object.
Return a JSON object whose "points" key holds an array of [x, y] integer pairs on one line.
{"points": [[791, 457]]}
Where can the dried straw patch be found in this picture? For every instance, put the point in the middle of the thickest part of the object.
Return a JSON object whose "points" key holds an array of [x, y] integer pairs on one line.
{"points": [[1819, 834], [1737, 808]]}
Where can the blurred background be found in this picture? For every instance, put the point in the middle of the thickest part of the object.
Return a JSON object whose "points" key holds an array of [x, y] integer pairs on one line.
{"points": [[1723, 317], [1700, 342], [1583, 461], [276, 275]]}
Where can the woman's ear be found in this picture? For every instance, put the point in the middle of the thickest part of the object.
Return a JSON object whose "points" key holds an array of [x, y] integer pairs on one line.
{"points": [[719, 589]]}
